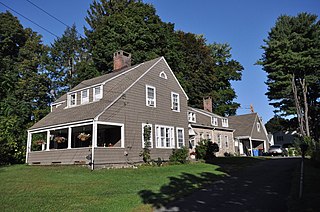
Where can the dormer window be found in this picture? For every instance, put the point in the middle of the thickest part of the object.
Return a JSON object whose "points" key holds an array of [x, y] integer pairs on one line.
{"points": [[85, 96], [72, 99], [192, 117], [163, 75], [150, 96], [214, 121], [225, 122], [97, 93]]}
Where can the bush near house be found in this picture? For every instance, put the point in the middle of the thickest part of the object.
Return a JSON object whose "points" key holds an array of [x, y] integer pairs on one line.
{"points": [[180, 155], [206, 150]]}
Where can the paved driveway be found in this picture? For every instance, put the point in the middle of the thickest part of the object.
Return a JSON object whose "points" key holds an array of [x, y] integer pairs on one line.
{"points": [[262, 187]]}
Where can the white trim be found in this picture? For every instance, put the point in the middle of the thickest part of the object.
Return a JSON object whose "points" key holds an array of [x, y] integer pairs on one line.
{"points": [[205, 113], [219, 141], [224, 122], [158, 137], [69, 137], [193, 115], [149, 100], [175, 77], [177, 134], [226, 137], [48, 140], [151, 134], [55, 103], [164, 75], [104, 82], [61, 126], [86, 99], [214, 121], [114, 101], [258, 126], [115, 124], [98, 96], [69, 100], [29, 138], [178, 99]]}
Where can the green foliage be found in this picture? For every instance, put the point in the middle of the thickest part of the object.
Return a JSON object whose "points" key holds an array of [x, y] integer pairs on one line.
{"points": [[179, 155], [24, 86], [204, 70], [146, 152], [292, 50], [279, 124], [206, 150], [70, 62]]}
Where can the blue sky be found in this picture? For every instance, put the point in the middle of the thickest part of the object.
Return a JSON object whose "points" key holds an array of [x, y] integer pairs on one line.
{"points": [[242, 24]]}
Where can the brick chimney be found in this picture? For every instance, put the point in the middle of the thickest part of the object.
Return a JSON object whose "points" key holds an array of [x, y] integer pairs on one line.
{"points": [[207, 104], [121, 60]]}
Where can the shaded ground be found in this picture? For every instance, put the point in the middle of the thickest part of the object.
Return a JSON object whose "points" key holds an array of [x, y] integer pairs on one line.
{"points": [[261, 187]]}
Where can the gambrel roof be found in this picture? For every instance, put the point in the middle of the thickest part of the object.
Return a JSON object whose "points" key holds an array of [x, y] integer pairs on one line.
{"points": [[115, 85]]}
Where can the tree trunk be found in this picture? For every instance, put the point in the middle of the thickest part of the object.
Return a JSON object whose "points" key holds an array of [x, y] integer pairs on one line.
{"points": [[306, 109], [298, 108]]}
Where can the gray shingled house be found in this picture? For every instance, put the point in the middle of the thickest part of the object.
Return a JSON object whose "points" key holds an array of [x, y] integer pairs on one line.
{"points": [[102, 120], [250, 134], [205, 125]]}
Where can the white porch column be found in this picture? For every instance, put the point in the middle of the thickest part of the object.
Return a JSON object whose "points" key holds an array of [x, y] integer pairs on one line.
{"points": [[48, 140], [94, 133], [69, 137], [94, 141], [264, 146], [251, 150], [28, 145]]}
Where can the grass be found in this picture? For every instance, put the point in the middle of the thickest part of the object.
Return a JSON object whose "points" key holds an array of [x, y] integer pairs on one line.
{"points": [[74, 188], [311, 195]]}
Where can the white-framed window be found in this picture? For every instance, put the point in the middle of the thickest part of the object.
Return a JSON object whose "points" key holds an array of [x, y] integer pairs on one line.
{"points": [[144, 127], [85, 96], [175, 102], [72, 99], [150, 96], [164, 136], [97, 93], [214, 121], [192, 117], [209, 136], [225, 122], [220, 141], [258, 126], [180, 137], [163, 75], [226, 139]]}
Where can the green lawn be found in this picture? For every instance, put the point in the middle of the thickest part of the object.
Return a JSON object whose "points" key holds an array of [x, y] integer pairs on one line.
{"points": [[72, 188]]}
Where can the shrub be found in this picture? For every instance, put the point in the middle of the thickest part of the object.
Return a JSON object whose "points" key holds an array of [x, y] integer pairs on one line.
{"points": [[179, 155], [206, 150]]}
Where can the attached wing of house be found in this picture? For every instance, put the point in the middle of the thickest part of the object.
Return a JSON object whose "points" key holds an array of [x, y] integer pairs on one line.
{"points": [[250, 134], [205, 125]]}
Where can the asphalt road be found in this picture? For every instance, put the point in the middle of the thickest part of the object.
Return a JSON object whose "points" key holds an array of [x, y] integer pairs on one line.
{"points": [[261, 187]]}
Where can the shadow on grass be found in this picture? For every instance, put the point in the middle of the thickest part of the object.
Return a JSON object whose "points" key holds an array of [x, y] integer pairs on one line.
{"points": [[178, 187]]}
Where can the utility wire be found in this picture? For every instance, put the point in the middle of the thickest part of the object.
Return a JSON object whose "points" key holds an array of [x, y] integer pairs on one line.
{"points": [[29, 20], [52, 16]]}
